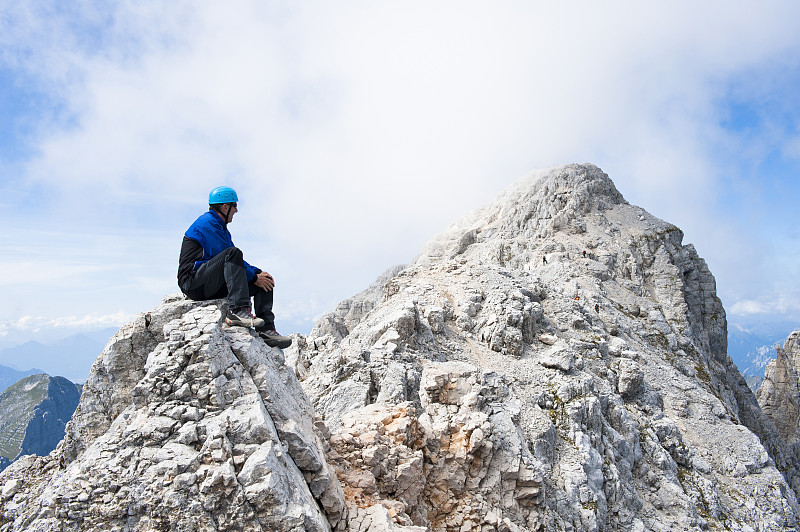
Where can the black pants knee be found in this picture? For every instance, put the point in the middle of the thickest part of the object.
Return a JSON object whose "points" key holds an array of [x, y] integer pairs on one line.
{"points": [[225, 276]]}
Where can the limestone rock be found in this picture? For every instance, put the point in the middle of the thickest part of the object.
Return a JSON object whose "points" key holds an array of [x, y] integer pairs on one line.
{"points": [[489, 389], [184, 424], [631, 377], [349, 312], [779, 393]]}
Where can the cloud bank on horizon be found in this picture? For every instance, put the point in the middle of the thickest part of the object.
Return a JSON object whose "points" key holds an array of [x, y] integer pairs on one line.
{"points": [[355, 131]]}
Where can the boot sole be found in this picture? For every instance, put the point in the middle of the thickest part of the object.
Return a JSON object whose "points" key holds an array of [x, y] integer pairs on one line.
{"points": [[280, 344]]}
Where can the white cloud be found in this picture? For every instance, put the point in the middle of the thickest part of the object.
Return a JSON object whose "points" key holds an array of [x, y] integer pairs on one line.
{"points": [[784, 303], [355, 131], [35, 323], [749, 308]]}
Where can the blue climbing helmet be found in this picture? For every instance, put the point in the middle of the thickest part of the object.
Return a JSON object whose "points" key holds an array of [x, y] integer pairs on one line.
{"points": [[222, 195]]}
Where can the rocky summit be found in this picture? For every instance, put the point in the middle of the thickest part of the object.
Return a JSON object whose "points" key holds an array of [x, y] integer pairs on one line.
{"points": [[184, 424], [553, 361]]}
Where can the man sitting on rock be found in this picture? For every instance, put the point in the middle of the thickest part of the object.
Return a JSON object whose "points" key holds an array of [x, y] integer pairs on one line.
{"points": [[211, 267]]}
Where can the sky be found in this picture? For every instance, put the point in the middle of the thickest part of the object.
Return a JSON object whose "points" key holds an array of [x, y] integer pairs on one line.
{"points": [[356, 131]]}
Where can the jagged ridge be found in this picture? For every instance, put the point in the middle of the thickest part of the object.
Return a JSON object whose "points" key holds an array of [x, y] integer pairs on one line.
{"points": [[535, 409]]}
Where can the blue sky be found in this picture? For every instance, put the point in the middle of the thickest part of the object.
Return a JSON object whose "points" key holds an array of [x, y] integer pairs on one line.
{"points": [[355, 131]]}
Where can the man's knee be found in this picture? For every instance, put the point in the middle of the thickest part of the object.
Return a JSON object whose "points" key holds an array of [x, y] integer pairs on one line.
{"points": [[234, 254]]}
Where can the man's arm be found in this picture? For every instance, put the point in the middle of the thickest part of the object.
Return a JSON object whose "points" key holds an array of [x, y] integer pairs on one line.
{"points": [[191, 251]]}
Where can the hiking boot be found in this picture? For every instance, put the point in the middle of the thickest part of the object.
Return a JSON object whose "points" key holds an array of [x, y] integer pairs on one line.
{"points": [[273, 339], [242, 317]]}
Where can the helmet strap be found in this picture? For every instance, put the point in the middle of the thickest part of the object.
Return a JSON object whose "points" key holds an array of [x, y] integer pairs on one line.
{"points": [[217, 208]]}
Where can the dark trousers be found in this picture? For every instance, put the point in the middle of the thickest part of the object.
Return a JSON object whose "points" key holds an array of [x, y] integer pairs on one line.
{"points": [[225, 276]]}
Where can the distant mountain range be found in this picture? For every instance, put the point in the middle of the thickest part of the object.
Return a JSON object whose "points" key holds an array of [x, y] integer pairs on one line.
{"points": [[33, 414], [9, 376], [752, 345], [69, 357]]}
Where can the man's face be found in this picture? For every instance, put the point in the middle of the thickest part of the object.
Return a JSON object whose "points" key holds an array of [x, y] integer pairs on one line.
{"points": [[232, 209]]}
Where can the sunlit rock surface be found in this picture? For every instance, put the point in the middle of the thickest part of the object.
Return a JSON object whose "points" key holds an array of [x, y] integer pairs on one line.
{"points": [[184, 424], [553, 361]]}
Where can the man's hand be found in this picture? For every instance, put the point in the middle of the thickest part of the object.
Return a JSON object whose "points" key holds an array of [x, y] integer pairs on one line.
{"points": [[265, 281]]}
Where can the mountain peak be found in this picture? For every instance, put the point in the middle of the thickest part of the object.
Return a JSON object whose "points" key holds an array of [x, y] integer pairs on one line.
{"points": [[564, 357], [536, 208], [33, 414]]}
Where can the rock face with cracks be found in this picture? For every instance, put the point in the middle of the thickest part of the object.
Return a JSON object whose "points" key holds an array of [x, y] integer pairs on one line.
{"points": [[779, 394], [553, 361], [184, 424]]}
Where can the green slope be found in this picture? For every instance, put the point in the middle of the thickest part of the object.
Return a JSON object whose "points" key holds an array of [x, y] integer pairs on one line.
{"points": [[33, 413]]}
